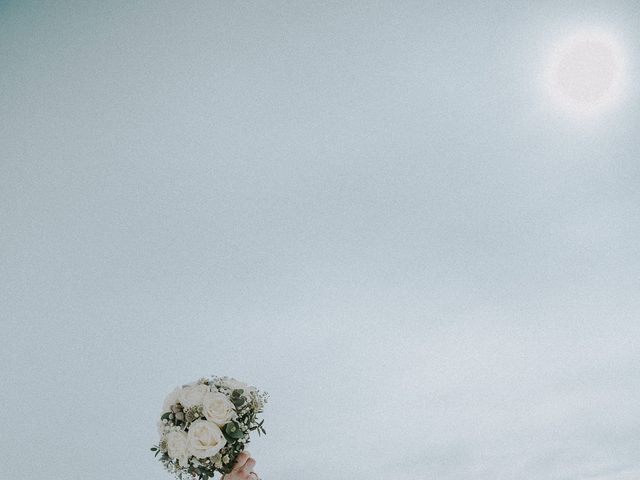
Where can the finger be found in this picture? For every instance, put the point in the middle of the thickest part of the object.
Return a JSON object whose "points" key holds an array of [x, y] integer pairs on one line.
{"points": [[241, 460], [249, 465]]}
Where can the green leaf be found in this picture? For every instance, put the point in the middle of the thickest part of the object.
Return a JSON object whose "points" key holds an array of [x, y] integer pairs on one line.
{"points": [[233, 430]]}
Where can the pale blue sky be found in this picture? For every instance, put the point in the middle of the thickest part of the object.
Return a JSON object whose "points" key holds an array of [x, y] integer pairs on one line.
{"points": [[368, 209]]}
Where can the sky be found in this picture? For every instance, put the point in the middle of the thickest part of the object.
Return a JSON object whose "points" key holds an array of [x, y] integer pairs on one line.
{"points": [[372, 210]]}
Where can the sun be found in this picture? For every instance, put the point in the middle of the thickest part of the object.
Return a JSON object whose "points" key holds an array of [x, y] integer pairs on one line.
{"points": [[586, 72]]}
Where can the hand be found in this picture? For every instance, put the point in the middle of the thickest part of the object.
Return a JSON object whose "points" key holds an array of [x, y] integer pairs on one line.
{"points": [[243, 468]]}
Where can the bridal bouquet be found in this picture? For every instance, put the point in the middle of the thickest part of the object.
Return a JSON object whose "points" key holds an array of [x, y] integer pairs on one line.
{"points": [[205, 424]]}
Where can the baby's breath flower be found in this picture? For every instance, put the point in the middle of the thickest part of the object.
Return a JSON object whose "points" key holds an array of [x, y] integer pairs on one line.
{"points": [[193, 413]]}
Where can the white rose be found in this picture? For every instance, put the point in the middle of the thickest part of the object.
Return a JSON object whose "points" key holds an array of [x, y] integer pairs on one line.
{"points": [[161, 425], [205, 439], [177, 446], [170, 400], [217, 408], [192, 395], [234, 384]]}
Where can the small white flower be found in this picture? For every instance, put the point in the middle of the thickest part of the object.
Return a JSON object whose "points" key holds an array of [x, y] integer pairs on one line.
{"points": [[192, 395], [258, 402]]}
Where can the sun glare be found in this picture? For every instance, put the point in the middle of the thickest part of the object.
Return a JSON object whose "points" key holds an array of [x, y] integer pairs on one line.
{"points": [[586, 73]]}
